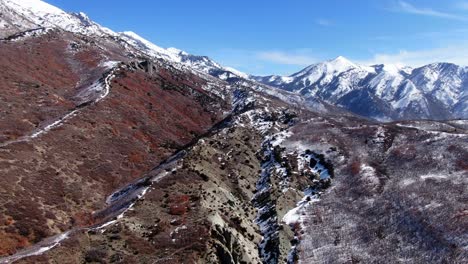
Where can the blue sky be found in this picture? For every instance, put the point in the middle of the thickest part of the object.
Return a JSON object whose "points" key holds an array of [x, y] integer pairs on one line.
{"points": [[282, 37]]}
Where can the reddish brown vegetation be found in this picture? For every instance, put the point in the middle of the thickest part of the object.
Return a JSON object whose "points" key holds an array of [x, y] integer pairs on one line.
{"points": [[34, 80], [355, 167], [73, 168], [462, 164], [83, 219], [9, 243], [405, 152], [139, 245], [178, 205]]}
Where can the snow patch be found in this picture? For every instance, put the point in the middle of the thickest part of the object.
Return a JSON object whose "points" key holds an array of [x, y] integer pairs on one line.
{"points": [[433, 176]]}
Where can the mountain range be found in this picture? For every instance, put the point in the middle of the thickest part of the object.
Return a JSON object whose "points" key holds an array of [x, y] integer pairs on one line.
{"points": [[383, 92], [115, 150]]}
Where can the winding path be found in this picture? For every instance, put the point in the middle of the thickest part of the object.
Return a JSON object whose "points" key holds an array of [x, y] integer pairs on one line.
{"points": [[106, 86]]}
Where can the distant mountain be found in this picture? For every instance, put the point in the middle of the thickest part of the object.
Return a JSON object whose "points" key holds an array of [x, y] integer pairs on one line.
{"points": [[383, 92]]}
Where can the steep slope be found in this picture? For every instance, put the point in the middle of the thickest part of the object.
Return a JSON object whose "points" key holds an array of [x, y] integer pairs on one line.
{"points": [[386, 92], [136, 46], [108, 138]]}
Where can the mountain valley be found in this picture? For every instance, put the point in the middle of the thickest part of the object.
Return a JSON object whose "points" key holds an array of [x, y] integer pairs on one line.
{"points": [[115, 150]]}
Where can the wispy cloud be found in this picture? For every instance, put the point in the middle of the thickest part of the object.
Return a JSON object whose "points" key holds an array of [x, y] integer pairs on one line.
{"points": [[447, 35], [266, 62], [462, 5], [324, 22], [422, 57], [288, 58], [424, 11]]}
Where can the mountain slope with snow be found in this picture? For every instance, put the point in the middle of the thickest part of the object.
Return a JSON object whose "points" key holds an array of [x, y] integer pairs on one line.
{"points": [[382, 92], [31, 15], [115, 150], [385, 92], [202, 64]]}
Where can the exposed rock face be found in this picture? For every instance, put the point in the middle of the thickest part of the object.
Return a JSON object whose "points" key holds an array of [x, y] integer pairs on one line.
{"points": [[200, 212]]}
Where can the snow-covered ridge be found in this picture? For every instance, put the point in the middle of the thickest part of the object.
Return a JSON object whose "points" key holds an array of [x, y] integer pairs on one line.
{"points": [[24, 15], [148, 47], [199, 63], [438, 90], [29, 14]]}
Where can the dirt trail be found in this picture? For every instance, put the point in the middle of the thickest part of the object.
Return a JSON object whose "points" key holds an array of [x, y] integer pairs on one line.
{"points": [[105, 83]]}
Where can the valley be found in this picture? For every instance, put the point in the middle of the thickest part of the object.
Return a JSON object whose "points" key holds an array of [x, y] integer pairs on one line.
{"points": [[115, 150]]}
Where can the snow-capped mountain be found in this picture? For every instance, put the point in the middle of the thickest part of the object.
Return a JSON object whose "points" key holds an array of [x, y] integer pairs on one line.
{"points": [[19, 19], [386, 92]]}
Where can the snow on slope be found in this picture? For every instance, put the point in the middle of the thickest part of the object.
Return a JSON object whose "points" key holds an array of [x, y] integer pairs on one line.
{"points": [[386, 81], [199, 63], [147, 47], [323, 73], [23, 15], [33, 14], [29, 14]]}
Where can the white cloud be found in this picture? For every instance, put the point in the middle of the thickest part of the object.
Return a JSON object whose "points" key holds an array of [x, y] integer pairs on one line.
{"points": [[324, 22], [457, 54], [291, 58], [411, 9]]}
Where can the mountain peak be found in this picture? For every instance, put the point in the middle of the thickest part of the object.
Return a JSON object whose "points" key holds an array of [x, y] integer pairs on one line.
{"points": [[36, 7], [29, 14], [341, 61], [177, 51], [83, 17]]}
